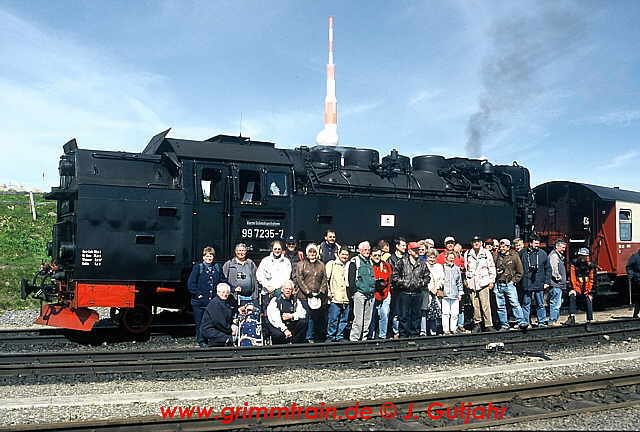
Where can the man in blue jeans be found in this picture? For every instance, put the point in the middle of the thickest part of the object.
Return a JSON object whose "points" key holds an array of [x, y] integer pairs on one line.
{"points": [[557, 276], [508, 274], [534, 281]]}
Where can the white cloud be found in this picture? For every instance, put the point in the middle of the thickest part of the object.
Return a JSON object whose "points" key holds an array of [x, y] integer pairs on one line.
{"points": [[620, 160], [615, 118], [424, 96]]}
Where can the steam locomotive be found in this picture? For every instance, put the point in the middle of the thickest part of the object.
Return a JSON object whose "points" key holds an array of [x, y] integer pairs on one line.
{"points": [[130, 225]]}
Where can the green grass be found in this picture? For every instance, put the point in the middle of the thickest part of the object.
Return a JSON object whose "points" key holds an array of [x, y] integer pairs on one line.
{"points": [[23, 244]]}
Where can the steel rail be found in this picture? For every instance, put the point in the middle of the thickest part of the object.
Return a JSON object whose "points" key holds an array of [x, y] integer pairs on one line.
{"points": [[174, 360], [403, 408]]}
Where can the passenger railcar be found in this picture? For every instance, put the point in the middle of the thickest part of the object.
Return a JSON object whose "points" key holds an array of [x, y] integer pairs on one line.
{"points": [[605, 220], [130, 225]]}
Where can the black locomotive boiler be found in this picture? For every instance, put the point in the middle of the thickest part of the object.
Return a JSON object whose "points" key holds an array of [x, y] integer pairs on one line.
{"points": [[130, 225]]}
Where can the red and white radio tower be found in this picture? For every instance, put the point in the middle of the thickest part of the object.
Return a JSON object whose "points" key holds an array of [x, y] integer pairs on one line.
{"points": [[329, 135]]}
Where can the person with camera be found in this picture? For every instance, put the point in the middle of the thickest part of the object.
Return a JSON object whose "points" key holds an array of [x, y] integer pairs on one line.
{"points": [[217, 327], [633, 270], [240, 272], [411, 277], [480, 273], [534, 281], [431, 307], [508, 273], [583, 275], [286, 317], [381, 296], [339, 309], [361, 282], [311, 282], [557, 277]]}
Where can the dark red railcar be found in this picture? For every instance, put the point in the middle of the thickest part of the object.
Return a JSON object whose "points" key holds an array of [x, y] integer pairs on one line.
{"points": [[605, 220]]}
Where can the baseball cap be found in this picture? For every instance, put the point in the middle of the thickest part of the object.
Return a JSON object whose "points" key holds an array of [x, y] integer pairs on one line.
{"points": [[291, 239], [449, 239], [430, 241], [583, 251], [413, 245], [505, 242], [476, 238]]}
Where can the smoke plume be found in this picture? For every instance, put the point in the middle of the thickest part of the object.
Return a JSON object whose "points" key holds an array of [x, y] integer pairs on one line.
{"points": [[512, 74]]}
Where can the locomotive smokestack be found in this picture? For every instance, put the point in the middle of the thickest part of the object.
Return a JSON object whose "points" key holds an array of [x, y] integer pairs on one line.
{"points": [[329, 135]]}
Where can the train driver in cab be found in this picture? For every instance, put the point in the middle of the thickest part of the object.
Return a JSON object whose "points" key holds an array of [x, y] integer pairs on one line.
{"points": [[204, 277]]}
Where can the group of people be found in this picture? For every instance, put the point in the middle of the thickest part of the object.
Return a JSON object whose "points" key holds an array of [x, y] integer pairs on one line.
{"points": [[325, 294]]}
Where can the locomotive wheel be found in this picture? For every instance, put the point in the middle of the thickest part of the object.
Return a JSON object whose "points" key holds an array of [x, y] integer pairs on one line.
{"points": [[136, 320]]}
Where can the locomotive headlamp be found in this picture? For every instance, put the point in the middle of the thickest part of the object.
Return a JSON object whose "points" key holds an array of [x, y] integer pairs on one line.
{"points": [[67, 251]]}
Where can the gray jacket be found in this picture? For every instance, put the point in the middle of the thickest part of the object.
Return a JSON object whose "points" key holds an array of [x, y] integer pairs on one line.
{"points": [[557, 272]]}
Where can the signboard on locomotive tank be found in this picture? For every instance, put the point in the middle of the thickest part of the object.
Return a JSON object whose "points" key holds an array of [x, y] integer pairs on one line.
{"points": [[143, 218]]}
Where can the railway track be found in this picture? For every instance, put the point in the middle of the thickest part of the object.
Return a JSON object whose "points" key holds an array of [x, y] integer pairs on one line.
{"points": [[97, 362], [479, 409], [48, 336]]}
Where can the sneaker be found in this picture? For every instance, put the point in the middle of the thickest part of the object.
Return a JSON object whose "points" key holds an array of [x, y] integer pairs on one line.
{"points": [[555, 324], [423, 333], [523, 326], [461, 330], [542, 325], [571, 321], [504, 329], [311, 341], [397, 336]]}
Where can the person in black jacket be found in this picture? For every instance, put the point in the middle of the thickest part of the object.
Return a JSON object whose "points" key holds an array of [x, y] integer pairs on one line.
{"points": [[410, 277], [217, 327], [202, 280], [633, 270]]}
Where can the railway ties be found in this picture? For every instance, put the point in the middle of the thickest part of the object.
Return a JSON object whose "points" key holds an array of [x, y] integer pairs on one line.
{"points": [[98, 362]]}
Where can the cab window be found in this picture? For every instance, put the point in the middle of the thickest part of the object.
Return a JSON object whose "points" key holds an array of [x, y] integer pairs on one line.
{"points": [[250, 186], [276, 184], [624, 218], [211, 184]]}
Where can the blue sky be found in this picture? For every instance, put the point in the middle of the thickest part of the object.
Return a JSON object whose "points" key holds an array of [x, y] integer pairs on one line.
{"points": [[553, 85]]}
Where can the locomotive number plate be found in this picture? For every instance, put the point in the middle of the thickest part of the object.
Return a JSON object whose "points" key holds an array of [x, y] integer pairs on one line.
{"points": [[261, 233]]}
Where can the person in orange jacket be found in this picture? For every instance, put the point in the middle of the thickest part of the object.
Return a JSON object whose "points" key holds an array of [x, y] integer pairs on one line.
{"points": [[583, 276]]}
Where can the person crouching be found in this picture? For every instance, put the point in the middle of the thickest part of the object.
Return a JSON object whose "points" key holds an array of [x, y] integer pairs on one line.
{"points": [[287, 318], [217, 321]]}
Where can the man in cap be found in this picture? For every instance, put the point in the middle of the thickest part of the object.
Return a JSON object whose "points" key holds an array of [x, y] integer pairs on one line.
{"points": [[480, 273], [410, 277], [293, 254], [449, 246], [508, 274], [583, 275]]}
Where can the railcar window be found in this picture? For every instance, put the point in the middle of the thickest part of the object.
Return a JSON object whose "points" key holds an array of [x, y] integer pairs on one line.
{"points": [[211, 182], [625, 225], [277, 184], [250, 185]]}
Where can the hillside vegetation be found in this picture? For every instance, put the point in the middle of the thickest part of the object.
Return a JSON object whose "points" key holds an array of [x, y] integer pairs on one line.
{"points": [[23, 244]]}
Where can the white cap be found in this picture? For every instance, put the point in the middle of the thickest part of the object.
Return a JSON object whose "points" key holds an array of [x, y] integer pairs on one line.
{"points": [[449, 239]]}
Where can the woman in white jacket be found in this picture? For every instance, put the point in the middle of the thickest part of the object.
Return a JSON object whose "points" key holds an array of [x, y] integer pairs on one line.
{"points": [[431, 308]]}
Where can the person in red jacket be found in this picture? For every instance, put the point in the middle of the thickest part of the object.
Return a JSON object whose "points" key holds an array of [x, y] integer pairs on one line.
{"points": [[382, 299], [583, 275], [449, 245]]}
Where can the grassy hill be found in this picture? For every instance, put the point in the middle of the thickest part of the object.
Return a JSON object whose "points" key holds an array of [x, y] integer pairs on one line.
{"points": [[23, 244]]}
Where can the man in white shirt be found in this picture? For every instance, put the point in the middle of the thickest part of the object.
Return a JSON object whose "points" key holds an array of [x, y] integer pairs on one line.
{"points": [[287, 318]]}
